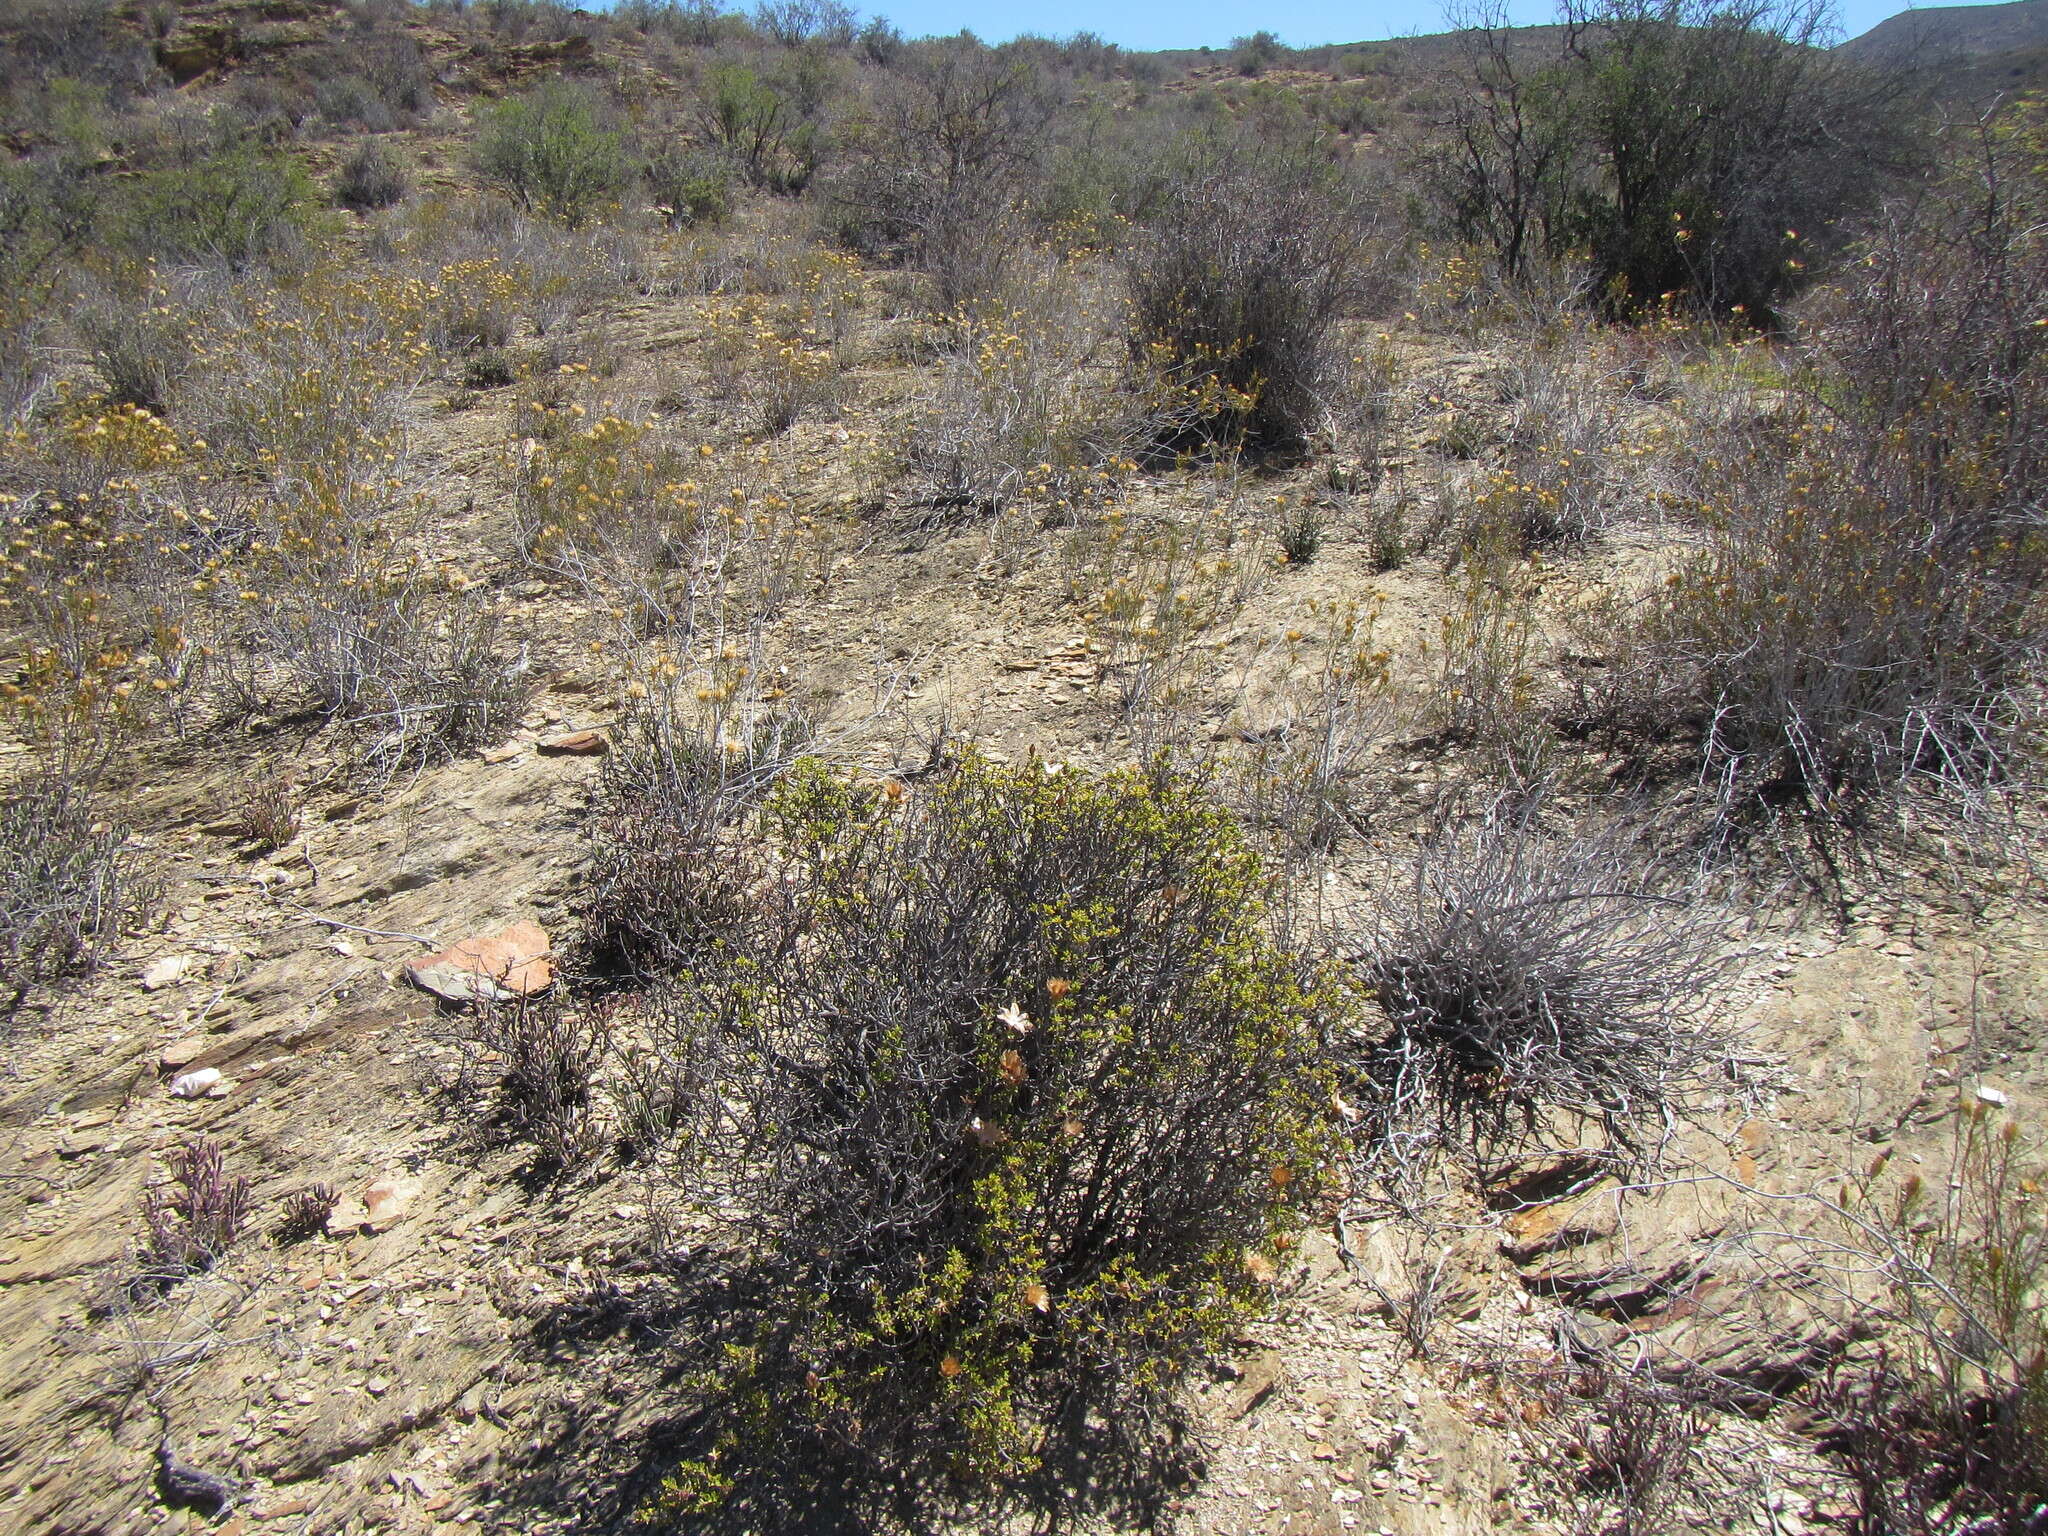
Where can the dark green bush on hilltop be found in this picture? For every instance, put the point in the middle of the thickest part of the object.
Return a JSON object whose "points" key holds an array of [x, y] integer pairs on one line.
{"points": [[1703, 152]]}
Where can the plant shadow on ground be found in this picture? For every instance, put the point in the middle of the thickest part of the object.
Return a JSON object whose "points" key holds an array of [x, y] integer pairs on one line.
{"points": [[658, 1339]]}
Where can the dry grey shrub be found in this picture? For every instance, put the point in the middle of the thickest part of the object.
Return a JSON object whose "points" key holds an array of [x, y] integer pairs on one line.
{"points": [[1858, 635], [67, 881], [1942, 1427], [370, 178], [686, 766], [1303, 773], [1563, 475], [1238, 290], [1156, 588], [413, 681], [141, 343], [1026, 409], [1488, 696], [1529, 971], [545, 1052], [1852, 633]]}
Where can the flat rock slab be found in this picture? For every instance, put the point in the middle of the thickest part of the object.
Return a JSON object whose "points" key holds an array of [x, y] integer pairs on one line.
{"points": [[577, 744], [493, 968]]}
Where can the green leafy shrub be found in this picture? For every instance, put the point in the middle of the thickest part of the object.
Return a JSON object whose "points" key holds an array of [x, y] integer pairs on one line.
{"points": [[695, 186], [1005, 1113], [237, 205], [553, 150], [1252, 56], [759, 125]]}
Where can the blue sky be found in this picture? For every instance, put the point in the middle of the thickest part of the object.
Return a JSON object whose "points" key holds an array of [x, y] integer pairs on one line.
{"points": [[1191, 23]]}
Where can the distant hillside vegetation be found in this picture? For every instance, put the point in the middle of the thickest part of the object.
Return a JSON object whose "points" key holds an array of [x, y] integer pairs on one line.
{"points": [[1958, 31]]}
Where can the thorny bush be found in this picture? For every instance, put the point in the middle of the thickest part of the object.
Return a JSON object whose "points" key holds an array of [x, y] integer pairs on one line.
{"points": [[1529, 972]]}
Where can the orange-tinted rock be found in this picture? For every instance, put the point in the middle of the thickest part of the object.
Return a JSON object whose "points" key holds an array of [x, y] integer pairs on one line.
{"points": [[491, 968]]}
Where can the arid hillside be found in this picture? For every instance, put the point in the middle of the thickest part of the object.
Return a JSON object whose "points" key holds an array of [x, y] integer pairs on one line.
{"points": [[763, 778]]}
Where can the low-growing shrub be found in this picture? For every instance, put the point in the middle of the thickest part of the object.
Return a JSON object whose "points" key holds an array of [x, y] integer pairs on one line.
{"points": [[490, 368], [1561, 476], [1005, 1115], [1023, 412], [688, 765], [1301, 532], [306, 1212], [547, 1053], [264, 807], [370, 178], [370, 651], [1528, 971], [783, 356], [1632, 1444], [1487, 695], [195, 1218], [1302, 775], [1155, 592], [1945, 1427], [67, 882], [350, 101]]}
